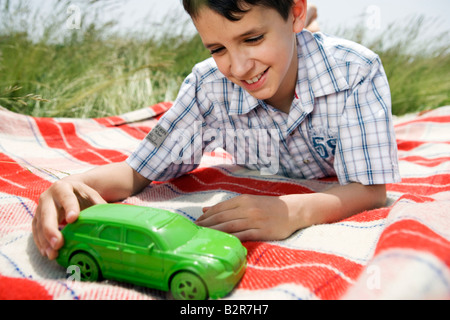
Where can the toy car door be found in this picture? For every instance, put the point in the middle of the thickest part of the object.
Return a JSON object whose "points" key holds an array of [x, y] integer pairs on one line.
{"points": [[109, 246], [142, 258]]}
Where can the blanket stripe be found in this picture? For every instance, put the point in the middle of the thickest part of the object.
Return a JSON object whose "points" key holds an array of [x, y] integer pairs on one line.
{"points": [[214, 179], [64, 136], [400, 251], [270, 265], [414, 235], [18, 181]]}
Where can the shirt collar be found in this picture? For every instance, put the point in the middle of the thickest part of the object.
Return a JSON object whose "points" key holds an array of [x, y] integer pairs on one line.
{"points": [[322, 71]]}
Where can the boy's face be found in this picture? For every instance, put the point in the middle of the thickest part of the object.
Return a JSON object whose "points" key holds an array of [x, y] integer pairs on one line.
{"points": [[258, 52]]}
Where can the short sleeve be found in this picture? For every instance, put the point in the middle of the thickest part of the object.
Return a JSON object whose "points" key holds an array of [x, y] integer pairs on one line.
{"points": [[366, 150], [174, 146]]}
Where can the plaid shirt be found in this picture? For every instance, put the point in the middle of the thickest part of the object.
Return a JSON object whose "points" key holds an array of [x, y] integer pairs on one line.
{"points": [[339, 123]]}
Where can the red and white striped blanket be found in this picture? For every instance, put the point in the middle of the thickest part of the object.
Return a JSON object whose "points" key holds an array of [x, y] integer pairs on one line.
{"points": [[401, 251]]}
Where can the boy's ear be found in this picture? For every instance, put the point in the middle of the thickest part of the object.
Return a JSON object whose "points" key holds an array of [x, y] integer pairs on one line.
{"points": [[299, 11]]}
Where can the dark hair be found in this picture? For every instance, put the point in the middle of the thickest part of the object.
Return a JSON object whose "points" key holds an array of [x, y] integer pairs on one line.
{"points": [[234, 9]]}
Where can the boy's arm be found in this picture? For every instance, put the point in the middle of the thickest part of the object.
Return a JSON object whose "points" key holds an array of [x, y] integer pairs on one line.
{"points": [[275, 218], [66, 197], [341, 202]]}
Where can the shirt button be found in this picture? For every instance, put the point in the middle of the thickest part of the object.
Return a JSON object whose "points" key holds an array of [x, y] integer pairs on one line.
{"points": [[306, 161]]}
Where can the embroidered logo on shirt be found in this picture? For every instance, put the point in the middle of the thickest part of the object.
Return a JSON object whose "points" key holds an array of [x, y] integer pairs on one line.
{"points": [[324, 147], [324, 142], [157, 136]]}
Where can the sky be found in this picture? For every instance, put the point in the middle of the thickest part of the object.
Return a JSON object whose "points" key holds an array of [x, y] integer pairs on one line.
{"points": [[375, 15], [332, 13]]}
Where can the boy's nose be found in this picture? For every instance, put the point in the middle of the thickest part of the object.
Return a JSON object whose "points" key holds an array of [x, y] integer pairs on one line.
{"points": [[241, 65]]}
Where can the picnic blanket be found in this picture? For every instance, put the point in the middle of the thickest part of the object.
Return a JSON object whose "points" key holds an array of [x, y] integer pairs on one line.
{"points": [[401, 251]]}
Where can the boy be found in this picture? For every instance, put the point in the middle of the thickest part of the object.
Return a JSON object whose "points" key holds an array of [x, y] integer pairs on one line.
{"points": [[324, 101]]}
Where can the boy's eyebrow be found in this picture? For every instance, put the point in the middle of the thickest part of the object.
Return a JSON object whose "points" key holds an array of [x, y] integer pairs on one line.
{"points": [[243, 35]]}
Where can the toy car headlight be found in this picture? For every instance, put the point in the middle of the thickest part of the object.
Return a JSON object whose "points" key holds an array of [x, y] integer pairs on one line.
{"points": [[218, 265]]}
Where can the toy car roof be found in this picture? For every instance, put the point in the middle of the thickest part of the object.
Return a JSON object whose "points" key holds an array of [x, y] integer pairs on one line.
{"points": [[128, 215]]}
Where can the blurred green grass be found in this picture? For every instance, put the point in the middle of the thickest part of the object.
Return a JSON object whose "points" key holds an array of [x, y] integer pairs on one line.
{"points": [[97, 71]]}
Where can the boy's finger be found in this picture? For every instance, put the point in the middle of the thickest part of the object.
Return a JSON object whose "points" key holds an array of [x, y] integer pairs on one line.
{"points": [[211, 211], [204, 209], [234, 226], [47, 236], [220, 218], [93, 196], [220, 207], [38, 238], [70, 209]]}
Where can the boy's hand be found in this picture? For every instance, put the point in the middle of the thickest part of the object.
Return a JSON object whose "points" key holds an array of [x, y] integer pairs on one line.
{"points": [[250, 217], [66, 197], [276, 218], [62, 201]]}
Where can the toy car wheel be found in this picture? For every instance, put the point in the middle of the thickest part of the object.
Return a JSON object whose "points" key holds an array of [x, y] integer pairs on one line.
{"points": [[89, 270], [188, 286]]}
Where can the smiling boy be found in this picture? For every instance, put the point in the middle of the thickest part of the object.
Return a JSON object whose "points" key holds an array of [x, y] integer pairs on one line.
{"points": [[326, 101]]}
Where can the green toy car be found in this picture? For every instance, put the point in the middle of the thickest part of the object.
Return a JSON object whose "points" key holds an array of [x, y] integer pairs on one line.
{"points": [[154, 248]]}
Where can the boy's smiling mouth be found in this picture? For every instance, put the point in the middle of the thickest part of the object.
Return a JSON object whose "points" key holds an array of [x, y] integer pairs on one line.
{"points": [[255, 81]]}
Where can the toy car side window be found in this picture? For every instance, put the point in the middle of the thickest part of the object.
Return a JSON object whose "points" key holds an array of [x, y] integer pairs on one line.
{"points": [[138, 238], [110, 233], [85, 228]]}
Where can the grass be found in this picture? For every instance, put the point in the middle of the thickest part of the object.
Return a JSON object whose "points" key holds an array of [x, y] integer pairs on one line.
{"points": [[97, 71], [416, 61]]}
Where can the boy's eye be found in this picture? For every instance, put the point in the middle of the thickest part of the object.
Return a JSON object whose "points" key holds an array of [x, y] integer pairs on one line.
{"points": [[248, 40], [218, 50], [254, 39]]}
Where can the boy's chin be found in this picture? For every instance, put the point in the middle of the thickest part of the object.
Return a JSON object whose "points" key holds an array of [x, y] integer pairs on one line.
{"points": [[262, 96]]}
